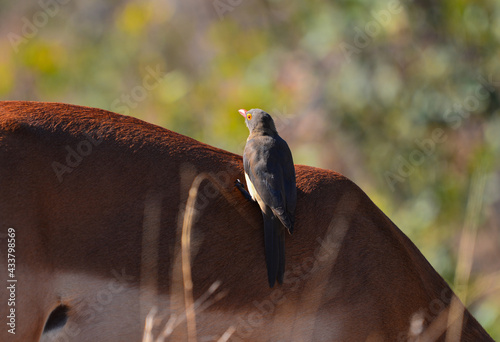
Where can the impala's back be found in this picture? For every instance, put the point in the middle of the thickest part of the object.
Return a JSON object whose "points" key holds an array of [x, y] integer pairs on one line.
{"points": [[102, 235]]}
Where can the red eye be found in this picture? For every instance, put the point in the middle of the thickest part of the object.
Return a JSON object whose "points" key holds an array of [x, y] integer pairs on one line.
{"points": [[249, 116]]}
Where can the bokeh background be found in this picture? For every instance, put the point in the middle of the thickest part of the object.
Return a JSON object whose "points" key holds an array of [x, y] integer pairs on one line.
{"points": [[400, 96]]}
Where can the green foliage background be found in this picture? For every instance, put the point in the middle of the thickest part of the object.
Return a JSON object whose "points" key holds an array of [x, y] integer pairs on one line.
{"points": [[360, 87]]}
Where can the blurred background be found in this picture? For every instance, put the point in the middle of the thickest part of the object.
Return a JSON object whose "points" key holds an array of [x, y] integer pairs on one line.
{"points": [[402, 97]]}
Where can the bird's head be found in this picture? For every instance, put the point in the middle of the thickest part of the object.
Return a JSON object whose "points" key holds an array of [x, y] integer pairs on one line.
{"points": [[258, 121]]}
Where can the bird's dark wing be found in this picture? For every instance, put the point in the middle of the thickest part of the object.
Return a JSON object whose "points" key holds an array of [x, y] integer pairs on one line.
{"points": [[289, 181], [262, 161]]}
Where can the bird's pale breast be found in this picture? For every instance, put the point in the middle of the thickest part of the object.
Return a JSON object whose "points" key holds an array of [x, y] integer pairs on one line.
{"points": [[255, 195]]}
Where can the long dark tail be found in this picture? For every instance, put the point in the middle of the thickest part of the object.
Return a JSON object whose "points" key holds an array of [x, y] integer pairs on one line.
{"points": [[274, 239]]}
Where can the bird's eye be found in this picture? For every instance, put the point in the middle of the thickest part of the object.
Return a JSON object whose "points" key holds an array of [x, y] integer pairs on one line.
{"points": [[249, 116]]}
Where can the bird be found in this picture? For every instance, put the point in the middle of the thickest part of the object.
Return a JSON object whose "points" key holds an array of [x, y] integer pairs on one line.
{"points": [[270, 179]]}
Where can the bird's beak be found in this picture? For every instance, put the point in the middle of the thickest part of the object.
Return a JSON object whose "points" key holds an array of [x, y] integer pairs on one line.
{"points": [[243, 112]]}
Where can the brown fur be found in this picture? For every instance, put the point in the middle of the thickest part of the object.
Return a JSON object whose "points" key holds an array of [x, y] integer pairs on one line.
{"points": [[352, 275]]}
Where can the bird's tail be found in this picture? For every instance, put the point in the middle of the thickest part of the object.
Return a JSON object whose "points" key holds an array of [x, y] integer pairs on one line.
{"points": [[274, 240]]}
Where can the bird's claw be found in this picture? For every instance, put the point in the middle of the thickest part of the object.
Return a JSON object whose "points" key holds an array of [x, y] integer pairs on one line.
{"points": [[242, 189]]}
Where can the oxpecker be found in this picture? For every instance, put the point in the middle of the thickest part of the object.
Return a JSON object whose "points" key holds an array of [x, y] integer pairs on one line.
{"points": [[270, 179]]}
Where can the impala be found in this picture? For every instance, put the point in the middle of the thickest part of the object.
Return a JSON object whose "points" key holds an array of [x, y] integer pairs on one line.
{"points": [[113, 229]]}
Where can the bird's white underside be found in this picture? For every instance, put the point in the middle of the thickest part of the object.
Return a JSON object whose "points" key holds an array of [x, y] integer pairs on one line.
{"points": [[254, 193]]}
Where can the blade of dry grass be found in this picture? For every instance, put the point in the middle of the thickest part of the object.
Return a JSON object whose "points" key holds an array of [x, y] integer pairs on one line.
{"points": [[148, 326], [149, 252], [225, 337], [189, 217], [466, 253]]}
